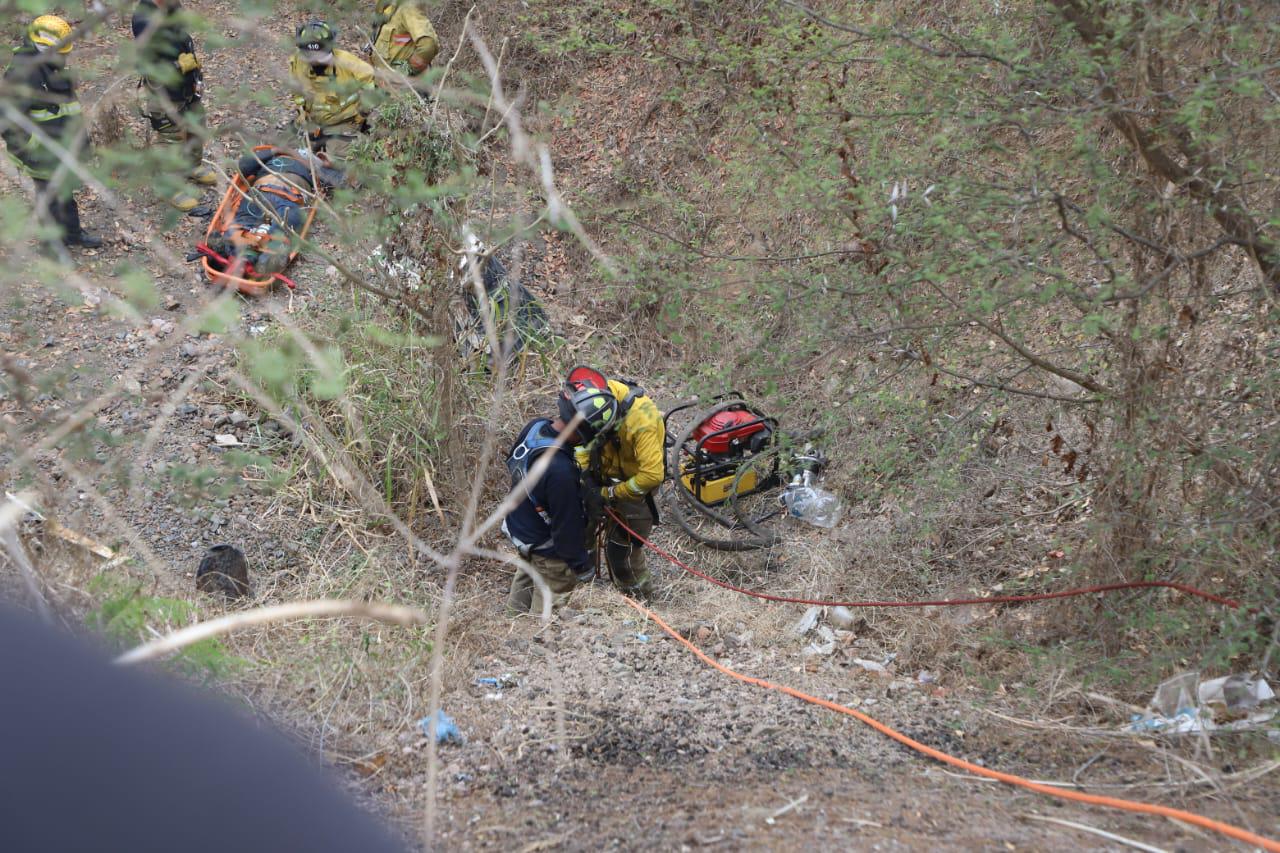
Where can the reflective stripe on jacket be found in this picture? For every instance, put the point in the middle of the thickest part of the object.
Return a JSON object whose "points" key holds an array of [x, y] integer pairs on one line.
{"points": [[404, 34], [633, 454], [43, 114], [335, 97], [40, 87]]}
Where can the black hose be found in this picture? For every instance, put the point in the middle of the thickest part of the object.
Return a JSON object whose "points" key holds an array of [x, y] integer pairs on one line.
{"points": [[744, 517], [673, 507]]}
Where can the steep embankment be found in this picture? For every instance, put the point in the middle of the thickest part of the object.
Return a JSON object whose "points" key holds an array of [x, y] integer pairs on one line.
{"points": [[596, 731]]}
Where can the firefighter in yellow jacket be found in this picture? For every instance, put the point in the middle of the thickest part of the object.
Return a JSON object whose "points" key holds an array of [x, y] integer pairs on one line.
{"points": [[403, 37], [623, 466], [333, 89], [41, 91]]}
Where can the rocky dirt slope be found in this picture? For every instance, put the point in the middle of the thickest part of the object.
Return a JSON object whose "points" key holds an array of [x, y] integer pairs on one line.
{"points": [[598, 731]]}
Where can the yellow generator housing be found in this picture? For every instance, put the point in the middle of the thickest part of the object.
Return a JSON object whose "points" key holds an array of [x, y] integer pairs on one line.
{"points": [[717, 489]]}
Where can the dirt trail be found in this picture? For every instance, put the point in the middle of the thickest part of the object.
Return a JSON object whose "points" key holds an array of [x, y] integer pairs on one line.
{"points": [[606, 735], [602, 733]]}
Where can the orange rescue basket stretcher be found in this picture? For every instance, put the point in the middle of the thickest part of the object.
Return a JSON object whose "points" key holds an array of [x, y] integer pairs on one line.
{"points": [[247, 281]]}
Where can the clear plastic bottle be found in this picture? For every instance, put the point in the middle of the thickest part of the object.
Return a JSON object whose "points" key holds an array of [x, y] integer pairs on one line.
{"points": [[809, 503]]}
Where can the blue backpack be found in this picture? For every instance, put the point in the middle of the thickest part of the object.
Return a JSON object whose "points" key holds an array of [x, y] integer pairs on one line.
{"points": [[539, 437]]}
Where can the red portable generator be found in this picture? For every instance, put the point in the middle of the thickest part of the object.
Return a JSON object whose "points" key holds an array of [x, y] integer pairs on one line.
{"points": [[709, 460]]}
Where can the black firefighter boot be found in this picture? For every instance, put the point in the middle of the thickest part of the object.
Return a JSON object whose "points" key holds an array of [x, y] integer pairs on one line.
{"points": [[47, 211], [68, 216]]}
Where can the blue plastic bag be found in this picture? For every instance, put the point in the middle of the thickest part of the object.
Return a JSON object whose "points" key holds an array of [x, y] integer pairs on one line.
{"points": [[447, 730]]}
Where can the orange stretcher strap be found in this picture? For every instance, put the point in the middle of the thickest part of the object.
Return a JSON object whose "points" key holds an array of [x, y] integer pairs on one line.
{"points": [[294, 196]]}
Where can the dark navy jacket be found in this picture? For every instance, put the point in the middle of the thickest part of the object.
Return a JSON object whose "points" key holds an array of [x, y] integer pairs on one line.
{"points": [[562, 534]]}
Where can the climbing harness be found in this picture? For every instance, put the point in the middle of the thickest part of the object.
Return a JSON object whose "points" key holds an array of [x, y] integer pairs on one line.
{"points": [[538, 438]]}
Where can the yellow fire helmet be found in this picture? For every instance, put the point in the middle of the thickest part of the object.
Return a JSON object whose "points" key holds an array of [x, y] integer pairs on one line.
{"points": [[48, 30]]}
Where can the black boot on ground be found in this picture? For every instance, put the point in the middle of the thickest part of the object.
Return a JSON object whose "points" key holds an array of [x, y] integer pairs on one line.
{"points": [[49, 213], [68, 215]]}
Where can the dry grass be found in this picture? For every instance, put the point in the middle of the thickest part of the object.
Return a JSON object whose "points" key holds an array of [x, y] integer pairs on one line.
{"points": [[349, 690]]}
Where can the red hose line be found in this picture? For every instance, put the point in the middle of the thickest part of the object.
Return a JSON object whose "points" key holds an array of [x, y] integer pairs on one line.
{"points": [[947, 602]]}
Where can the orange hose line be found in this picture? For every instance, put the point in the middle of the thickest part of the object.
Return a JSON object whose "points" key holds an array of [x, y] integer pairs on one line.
{"points": [[1227, 829]]}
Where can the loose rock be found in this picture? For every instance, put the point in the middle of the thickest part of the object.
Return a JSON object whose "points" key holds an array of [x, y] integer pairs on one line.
{"points": [[225, 570]]}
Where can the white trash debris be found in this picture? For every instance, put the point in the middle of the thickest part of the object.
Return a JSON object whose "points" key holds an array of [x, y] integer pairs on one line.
{"points": [[827, 644], [870, 665], [1235, 692], [809, 503], [841, 617], [1186, 705], [1175, 694], [807, 621]]}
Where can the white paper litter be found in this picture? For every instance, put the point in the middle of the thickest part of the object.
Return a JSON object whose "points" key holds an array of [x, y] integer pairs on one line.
{"points": [[870, 665], [807, 621], [827, 644]]}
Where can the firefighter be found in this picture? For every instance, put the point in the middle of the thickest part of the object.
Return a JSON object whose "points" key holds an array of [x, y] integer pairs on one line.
{"points": [[622, 466], [333, 89], [402, 37], [40, 88], [548, 526], [173, 83]]}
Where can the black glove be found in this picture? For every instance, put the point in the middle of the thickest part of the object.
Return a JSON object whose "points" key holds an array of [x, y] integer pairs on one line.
{"points": [[592, 501]]}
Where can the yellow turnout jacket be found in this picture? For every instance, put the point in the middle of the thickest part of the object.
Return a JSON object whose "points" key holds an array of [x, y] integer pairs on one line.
{"points": [[336, 97], [403, 36], [634, 457]]}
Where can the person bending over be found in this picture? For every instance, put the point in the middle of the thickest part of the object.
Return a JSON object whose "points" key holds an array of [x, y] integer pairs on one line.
{"points": [[622, 467], [548, 527], [403, 37]]}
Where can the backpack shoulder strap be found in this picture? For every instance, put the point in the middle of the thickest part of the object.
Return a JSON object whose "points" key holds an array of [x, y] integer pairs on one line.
{"points": [[633, 391], [537, 438]]}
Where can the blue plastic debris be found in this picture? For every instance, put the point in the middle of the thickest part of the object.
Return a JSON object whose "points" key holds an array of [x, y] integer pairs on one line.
{"points": [[497, 682], [1186, 720], [644, 638], [446, 729]]}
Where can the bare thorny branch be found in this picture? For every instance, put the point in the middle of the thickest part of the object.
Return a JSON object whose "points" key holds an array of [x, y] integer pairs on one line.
{"points": [[391, 614], [1237, 223]]}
